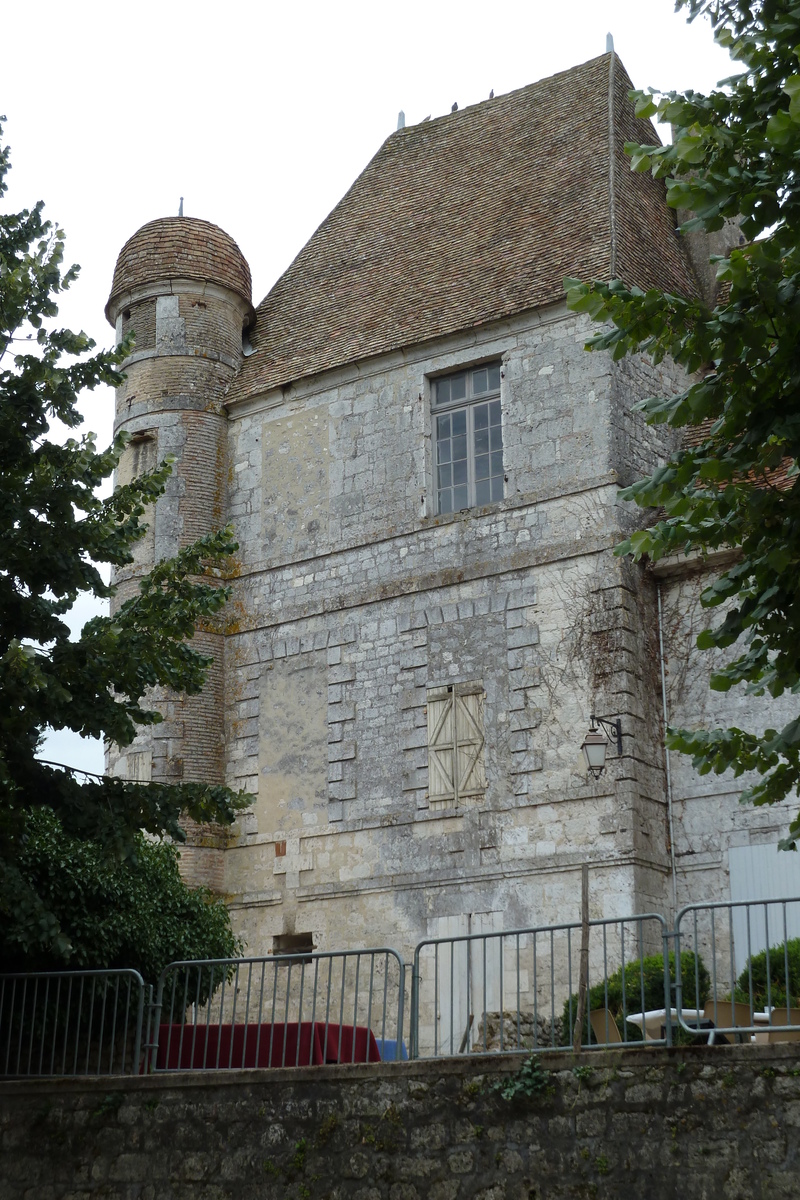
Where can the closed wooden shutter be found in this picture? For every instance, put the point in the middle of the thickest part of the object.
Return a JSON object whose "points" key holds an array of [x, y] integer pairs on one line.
{"points": [[470, 775], [455, 743], [441, 749]]}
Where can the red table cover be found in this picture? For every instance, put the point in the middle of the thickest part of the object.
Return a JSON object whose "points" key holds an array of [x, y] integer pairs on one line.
{"points": [[310, 1043]]}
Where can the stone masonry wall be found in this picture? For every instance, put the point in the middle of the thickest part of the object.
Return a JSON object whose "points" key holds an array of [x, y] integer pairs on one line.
{"points": [[353, 599], [709, 821], [189, 345], [707, 1123]]}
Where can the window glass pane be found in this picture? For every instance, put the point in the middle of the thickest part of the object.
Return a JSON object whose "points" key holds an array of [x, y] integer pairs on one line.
{"points": [[479, 381], [469, 439], [483, 491], [459, 447]]}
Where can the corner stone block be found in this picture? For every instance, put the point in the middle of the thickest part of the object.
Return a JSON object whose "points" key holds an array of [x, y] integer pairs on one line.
{"points": [[528, 760], [526, 635], [341, 752], [342, 791], [521, 658], [341, 673]]}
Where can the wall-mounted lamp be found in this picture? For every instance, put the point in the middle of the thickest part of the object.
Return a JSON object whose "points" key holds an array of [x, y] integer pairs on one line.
{"points": [[595, 743]]}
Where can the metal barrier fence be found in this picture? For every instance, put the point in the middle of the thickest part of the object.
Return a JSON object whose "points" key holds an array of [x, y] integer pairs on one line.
{"points": [[728, 971], [284, 1010], [71, 1023], [746, 976], [516, 989]]}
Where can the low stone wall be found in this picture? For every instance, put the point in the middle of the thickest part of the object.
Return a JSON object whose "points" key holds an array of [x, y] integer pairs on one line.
{"points": [[696, 1123], [516, 1030]]}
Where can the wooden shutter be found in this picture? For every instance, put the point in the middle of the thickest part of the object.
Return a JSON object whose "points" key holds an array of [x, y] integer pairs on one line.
{"points": [[455, 743], [441, 747], [470, 775]]}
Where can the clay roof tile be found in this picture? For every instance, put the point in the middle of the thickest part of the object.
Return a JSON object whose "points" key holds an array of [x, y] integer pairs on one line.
{"points": [[180, 248], [472, 217]]}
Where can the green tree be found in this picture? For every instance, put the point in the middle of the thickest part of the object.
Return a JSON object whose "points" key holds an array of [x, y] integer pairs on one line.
{"points": [[54, 533], [735, 154], [135, 913]]}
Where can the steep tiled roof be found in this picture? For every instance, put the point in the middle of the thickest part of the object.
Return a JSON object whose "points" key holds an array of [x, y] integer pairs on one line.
{"points": [[693, 436], [474, 216], [180, 248]]}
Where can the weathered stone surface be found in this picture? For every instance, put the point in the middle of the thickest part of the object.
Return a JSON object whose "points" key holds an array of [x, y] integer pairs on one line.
{"points": [[630, 1125]]}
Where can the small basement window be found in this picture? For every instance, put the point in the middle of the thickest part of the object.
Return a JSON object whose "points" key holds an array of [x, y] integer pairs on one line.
{"points": [[293, 943]]}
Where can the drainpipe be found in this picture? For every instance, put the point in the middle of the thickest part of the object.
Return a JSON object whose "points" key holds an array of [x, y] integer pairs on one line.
{"points": [[666, 754]]}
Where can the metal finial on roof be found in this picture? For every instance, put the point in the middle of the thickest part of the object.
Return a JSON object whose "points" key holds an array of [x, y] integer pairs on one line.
{"points": [[455, 106], [180, 208], [609, 43], [401, 120], [491, 94]]}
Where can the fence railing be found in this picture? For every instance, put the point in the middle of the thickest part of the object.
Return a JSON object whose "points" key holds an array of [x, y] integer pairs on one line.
{"points": [[745, 979], [728, 971], [284, 1010], [72, 1023], [516, 989]]}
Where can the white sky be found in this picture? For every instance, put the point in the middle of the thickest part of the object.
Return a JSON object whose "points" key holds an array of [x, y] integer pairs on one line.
{"points": [[261, 115]]}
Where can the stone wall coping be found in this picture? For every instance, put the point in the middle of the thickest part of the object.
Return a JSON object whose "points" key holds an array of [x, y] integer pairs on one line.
{"points": [[419, 1069]]}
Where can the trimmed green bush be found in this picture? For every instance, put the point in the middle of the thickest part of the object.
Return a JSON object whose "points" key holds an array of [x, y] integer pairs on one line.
{"points": [[643, 990], [756, 970]]}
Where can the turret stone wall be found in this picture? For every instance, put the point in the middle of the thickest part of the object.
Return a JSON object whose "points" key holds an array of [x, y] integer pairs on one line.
{"points": [[182, 289]]}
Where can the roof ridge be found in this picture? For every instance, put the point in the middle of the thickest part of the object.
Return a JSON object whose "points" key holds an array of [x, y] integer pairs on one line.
{"points": [[472, 217], [409, 127]]}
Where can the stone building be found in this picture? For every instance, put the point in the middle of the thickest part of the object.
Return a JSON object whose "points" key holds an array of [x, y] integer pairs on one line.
{"points": [[421, 464]]}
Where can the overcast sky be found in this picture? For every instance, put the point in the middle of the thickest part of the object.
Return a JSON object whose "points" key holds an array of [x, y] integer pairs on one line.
{"points": [[261, 115]]}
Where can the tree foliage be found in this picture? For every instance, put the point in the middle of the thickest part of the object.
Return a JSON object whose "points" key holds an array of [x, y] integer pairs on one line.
{"points": [[54, 534], [735, 155], [137, 913]]}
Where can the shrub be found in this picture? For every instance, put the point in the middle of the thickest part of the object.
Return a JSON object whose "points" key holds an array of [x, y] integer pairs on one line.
{"points": [[132, 913], [756, 970], [644, 989]]}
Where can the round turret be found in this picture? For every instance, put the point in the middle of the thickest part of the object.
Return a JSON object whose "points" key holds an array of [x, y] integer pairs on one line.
{"points": [[178, 248], [182, 288]]}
